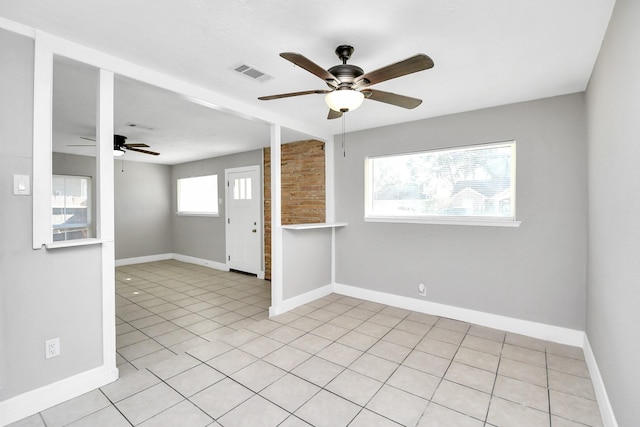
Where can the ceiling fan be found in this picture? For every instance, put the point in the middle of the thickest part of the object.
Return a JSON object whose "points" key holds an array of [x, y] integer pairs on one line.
{"points": [[120, 146], [349, 84]]}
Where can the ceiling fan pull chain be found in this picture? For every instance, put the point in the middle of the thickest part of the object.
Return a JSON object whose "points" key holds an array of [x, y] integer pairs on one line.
{"points": [[344, 150]]}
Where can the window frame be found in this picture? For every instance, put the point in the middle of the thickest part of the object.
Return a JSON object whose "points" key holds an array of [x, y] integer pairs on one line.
{"points": [[88, 226], [370, 216], [198, 213]]}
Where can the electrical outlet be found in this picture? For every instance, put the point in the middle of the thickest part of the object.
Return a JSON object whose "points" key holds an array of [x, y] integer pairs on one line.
{"points": [[52, 348], [422, 290]]}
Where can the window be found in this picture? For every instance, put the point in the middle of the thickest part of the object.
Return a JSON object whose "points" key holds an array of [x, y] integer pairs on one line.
{"points": [[242, 189], [70, 202], [473, 184], [198, 195]]}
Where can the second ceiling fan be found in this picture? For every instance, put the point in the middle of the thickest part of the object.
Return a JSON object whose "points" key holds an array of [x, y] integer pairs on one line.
{"points": [[349, 84]]}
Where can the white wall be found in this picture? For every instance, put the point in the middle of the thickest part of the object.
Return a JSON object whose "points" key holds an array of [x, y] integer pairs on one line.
{"points": [[613, 293], [535, 272], [43, 293]]}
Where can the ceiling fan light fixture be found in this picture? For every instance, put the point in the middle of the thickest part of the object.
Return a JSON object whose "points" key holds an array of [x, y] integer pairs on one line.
{"points": [[117, 152], [343, 100]]}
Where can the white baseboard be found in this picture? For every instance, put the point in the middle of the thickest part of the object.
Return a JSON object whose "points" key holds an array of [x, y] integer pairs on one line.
{"points": [[34, 401], [177, 257], [606, 410], [201, 261], [525, 327], [297, 301], [143, 259]]}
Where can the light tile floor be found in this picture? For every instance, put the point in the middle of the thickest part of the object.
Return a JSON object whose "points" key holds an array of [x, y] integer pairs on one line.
{"points": [[195, 348]]}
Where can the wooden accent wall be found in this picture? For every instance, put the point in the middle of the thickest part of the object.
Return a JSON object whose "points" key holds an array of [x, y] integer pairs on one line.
{"points": [[303, 188]]}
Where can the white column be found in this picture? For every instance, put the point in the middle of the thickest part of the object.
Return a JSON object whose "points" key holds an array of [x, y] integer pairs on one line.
{"points": [[42, 144], [276, 222], [105, 218]]}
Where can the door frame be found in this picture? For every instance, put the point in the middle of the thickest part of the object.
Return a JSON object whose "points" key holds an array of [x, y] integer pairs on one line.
{"points": [[259, 214]]}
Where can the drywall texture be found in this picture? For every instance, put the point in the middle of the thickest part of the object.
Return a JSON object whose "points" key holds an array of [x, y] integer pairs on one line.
{"points": [[535, 272], [303, 188], [199, 236], [613, 291], [142, 209], [306, 261], [44, 294]]}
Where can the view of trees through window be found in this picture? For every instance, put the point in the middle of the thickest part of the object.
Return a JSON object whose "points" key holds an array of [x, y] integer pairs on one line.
{"points": [[476, 181]]}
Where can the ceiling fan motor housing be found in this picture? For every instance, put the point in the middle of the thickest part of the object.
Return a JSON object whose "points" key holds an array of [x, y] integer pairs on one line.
{"points": [[119, 141]]}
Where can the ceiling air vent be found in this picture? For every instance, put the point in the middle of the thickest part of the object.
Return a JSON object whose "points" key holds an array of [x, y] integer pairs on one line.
{"points": [[251, 72]]}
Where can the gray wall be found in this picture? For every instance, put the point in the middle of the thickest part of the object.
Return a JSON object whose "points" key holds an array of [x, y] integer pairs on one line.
{"points": [[535, 272], [142, 209], [142, 203], [43, 293], [306, 261], [613, 292], [204, 237]]}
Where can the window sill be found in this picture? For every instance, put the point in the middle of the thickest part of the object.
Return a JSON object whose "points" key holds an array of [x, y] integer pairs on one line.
{"points": [[449, 221], [214, 215], [72, 243], [314, 225]]}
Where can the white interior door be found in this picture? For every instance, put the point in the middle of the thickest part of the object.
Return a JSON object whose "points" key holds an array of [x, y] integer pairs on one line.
{"points": [[244, 219]]}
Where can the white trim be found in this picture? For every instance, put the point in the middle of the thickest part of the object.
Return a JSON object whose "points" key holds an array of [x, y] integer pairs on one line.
{"points": [[189, 91], [314, 225], [448, 221], [214, 215], [17, 28], [42, 142], [276, 220], [606, 410], [330, 178], [72, 243], [143, 259], [259, 202], [105, 218], [34, 401], [201, 261], [542, 331], [297, 301], [178, 257]]}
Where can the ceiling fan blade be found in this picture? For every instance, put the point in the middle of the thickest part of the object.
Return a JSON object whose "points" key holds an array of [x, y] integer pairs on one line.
{"points": [[311, 67], [153, 153], [392, 98], [135, 144], [410, 65], [287, 95], [333, 114], [88, 139]]}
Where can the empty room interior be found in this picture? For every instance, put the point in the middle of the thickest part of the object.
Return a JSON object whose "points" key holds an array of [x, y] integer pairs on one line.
{"points": [[319, 213]]}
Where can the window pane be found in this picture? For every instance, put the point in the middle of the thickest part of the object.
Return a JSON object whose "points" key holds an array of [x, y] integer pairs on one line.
{"points": [[242, 189], [475, 181], [198, 195], [70, 201]]}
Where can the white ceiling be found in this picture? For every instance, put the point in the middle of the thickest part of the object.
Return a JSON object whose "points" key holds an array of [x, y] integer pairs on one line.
{"points": [[486, 53]]}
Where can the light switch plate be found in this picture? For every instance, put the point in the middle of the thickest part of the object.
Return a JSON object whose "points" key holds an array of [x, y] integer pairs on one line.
{"points": [[21, 185]]}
